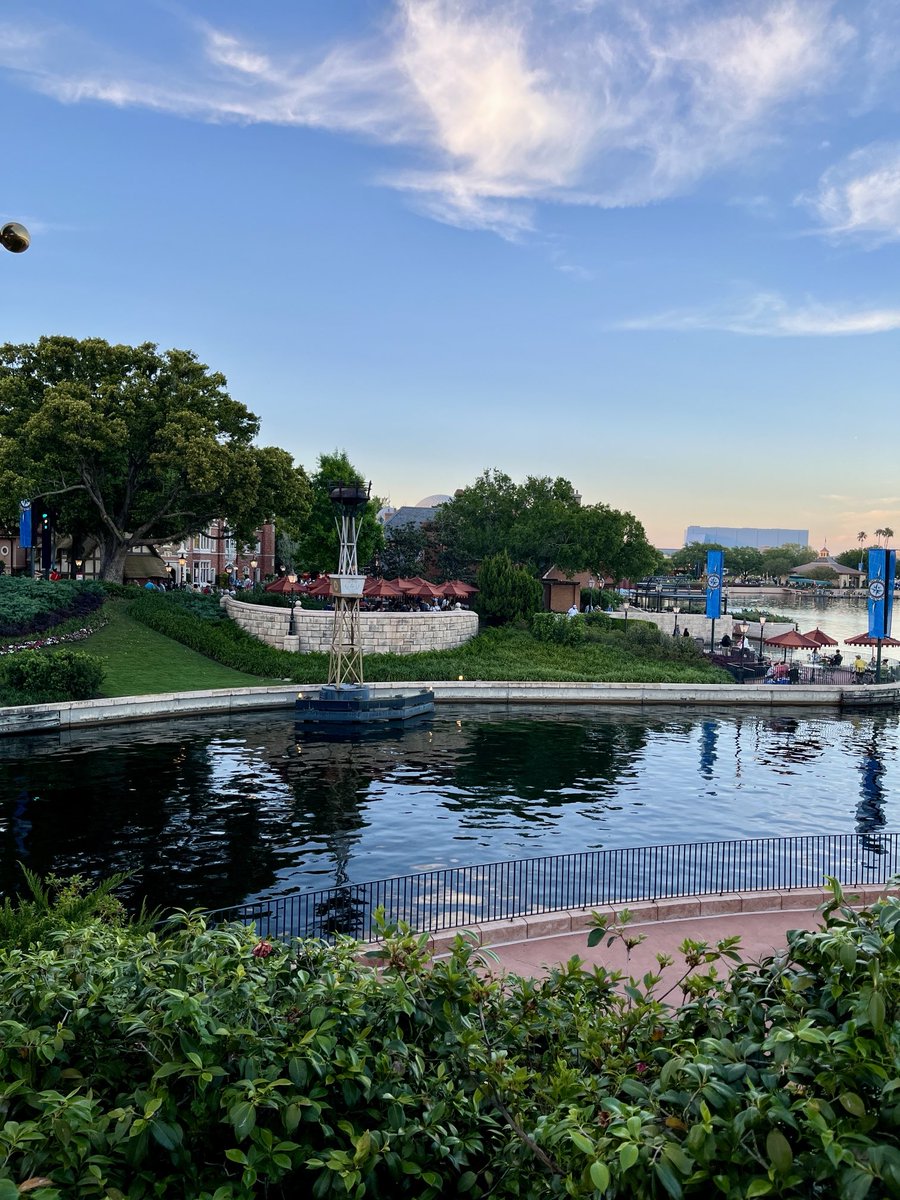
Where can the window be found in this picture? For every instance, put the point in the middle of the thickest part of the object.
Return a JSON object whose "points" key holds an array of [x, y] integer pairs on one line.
{"points": [[203, 571], [202, 541]]}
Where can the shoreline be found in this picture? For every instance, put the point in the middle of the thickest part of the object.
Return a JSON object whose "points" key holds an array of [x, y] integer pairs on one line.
{"points": [[74, 714]]}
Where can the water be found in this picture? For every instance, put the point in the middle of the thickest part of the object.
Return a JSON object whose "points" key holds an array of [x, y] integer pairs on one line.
{"points": [[840, 616], [217, 810]]}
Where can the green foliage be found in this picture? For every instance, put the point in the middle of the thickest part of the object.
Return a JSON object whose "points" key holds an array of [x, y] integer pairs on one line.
{"points": [[539, 523], [558, 628], [204, 1063], [318, 545], [133, 445], [34, 605], [852, 558], [403, 551], [37, 678], [57, 904], [642, 655], [506, 593], [199, 622]]}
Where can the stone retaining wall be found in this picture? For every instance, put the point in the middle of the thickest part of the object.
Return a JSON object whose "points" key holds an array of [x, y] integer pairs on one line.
{"points": [[381, 632]]}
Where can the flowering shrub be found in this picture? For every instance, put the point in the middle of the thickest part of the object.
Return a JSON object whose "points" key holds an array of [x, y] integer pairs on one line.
{"points": [[32, 605], [40, 643]]}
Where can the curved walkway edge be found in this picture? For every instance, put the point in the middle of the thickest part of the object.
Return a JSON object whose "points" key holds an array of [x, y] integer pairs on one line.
{"points": [[39, 718], [532, 946]]}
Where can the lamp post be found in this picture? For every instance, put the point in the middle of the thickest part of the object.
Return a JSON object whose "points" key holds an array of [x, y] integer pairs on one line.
{"points": [[762, 630], [625, 608], [292, 579], [591, 586], [253, 567], [675, 630], [659, 597], [742, 630], [182, 562], [229, 569]]}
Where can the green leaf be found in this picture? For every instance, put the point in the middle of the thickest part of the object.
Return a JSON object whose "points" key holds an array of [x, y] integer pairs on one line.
{"points": [[876, 1011], [236, 1156], [168, 1136], [467, 1182], [779, 1151], [667, 1178], [759, 1187], [584, 1144], [8, 1190], [628, 1155], [853, 1104], [600, 1176]]}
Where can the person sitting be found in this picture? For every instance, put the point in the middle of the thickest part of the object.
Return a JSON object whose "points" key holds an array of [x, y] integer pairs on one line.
{"points": [[836, 659], [573, 611], [859, 666], [725, 642]]}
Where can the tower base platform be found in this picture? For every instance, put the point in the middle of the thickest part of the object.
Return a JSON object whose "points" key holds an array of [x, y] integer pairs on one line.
{"points": [[356, 705]]}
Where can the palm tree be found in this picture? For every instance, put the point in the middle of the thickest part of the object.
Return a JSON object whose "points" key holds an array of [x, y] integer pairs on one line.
{"points": [[862, 536], [888, 534], [879, 533]]}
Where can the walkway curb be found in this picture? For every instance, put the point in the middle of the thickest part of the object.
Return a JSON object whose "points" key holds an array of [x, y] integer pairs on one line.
{"points": [[39, 718]]}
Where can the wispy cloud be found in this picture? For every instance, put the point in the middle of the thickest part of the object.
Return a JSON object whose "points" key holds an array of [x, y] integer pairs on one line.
{"points": [[503, 103], [769, 315], [860, 197]]}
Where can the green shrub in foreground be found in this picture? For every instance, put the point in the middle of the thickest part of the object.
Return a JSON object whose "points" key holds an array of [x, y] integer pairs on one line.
{"points": [[38, 678], [201, 1063]]}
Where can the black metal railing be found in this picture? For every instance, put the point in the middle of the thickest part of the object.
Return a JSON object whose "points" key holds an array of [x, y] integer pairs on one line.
{"points": [[460, 896]]}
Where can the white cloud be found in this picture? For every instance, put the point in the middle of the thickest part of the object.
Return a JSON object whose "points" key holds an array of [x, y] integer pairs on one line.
{"points": [[769, 315], [860, 197], [503, 103]]}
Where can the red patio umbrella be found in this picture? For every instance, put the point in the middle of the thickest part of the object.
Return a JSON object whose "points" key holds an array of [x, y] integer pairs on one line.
{"points": [[822, 638], [320, 587], [792, 641], [863, 639], [285, 585], [456, 591], [466, 587], [381, 589]]}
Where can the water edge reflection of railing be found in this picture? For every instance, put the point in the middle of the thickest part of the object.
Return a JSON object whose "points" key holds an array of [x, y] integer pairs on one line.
{"points": [[458, 896]]}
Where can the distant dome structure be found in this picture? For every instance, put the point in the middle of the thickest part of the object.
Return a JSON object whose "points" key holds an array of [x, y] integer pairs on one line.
{"points": [[433, 501]]}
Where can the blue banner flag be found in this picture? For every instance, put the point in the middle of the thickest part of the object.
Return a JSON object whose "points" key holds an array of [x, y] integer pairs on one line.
{"points": [[882, 571], [25, 524], [715, 565]]}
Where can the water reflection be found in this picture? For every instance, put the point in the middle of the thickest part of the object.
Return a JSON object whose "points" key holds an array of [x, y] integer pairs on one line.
{"points": [[213, 811]]}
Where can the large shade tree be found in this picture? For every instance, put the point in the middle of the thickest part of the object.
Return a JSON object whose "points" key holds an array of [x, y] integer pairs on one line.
{"points": [[129, 445], [540, 523]]}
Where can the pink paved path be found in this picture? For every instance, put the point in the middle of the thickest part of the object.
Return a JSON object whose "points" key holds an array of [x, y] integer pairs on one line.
{"points": [[761, 933]]}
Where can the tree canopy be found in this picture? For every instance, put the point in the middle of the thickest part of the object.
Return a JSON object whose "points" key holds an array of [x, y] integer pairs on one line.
{"points": [[129, 444], [540, 523], [318, 541]]}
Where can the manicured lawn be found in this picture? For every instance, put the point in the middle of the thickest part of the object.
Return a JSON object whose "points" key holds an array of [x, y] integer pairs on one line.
{"points": [[138, 661]]}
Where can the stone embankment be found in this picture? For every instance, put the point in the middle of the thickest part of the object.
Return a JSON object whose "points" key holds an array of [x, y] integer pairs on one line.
{"points": [[39, 718], [381, 632]]}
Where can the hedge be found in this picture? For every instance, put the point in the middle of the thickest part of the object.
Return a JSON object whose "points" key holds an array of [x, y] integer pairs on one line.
{"points": [[202, 1062], [35, 677]]}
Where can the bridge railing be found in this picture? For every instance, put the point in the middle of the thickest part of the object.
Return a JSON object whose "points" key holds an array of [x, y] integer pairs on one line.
{"points": [[458, 896]]}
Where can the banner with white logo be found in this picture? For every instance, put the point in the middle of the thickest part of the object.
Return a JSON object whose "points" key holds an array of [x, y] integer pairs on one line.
{"points": [[715, 566], [882, 569]]}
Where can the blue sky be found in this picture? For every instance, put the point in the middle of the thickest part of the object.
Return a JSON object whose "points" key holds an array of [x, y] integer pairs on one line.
{"points": [[649, 245]]}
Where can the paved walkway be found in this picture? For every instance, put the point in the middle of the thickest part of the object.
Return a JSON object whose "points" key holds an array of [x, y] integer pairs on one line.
{"points": [[761, 934]]}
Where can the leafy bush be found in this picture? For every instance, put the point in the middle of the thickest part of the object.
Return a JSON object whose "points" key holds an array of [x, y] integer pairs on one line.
{"points": [[204, 1063], [33, 605], [558, 628], [59, 903], [506, 592], [61, 675]]}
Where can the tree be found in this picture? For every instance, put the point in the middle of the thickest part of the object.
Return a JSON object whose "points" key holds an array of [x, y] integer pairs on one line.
{"points": [[851, 558], [131, 445], [540, 523], [319, 541], [403, 551], [692, 557], [506, 592], [861, 536]]}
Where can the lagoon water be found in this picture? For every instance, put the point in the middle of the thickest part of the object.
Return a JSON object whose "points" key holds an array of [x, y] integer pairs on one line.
{"points": [[216, 810]]}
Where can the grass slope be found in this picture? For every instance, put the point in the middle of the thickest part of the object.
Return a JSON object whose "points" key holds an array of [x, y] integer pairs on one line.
{"points": [[138, 661]]}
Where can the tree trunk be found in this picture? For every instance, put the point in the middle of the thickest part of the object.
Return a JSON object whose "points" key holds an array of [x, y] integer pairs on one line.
{"points": [[112, 560]]}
